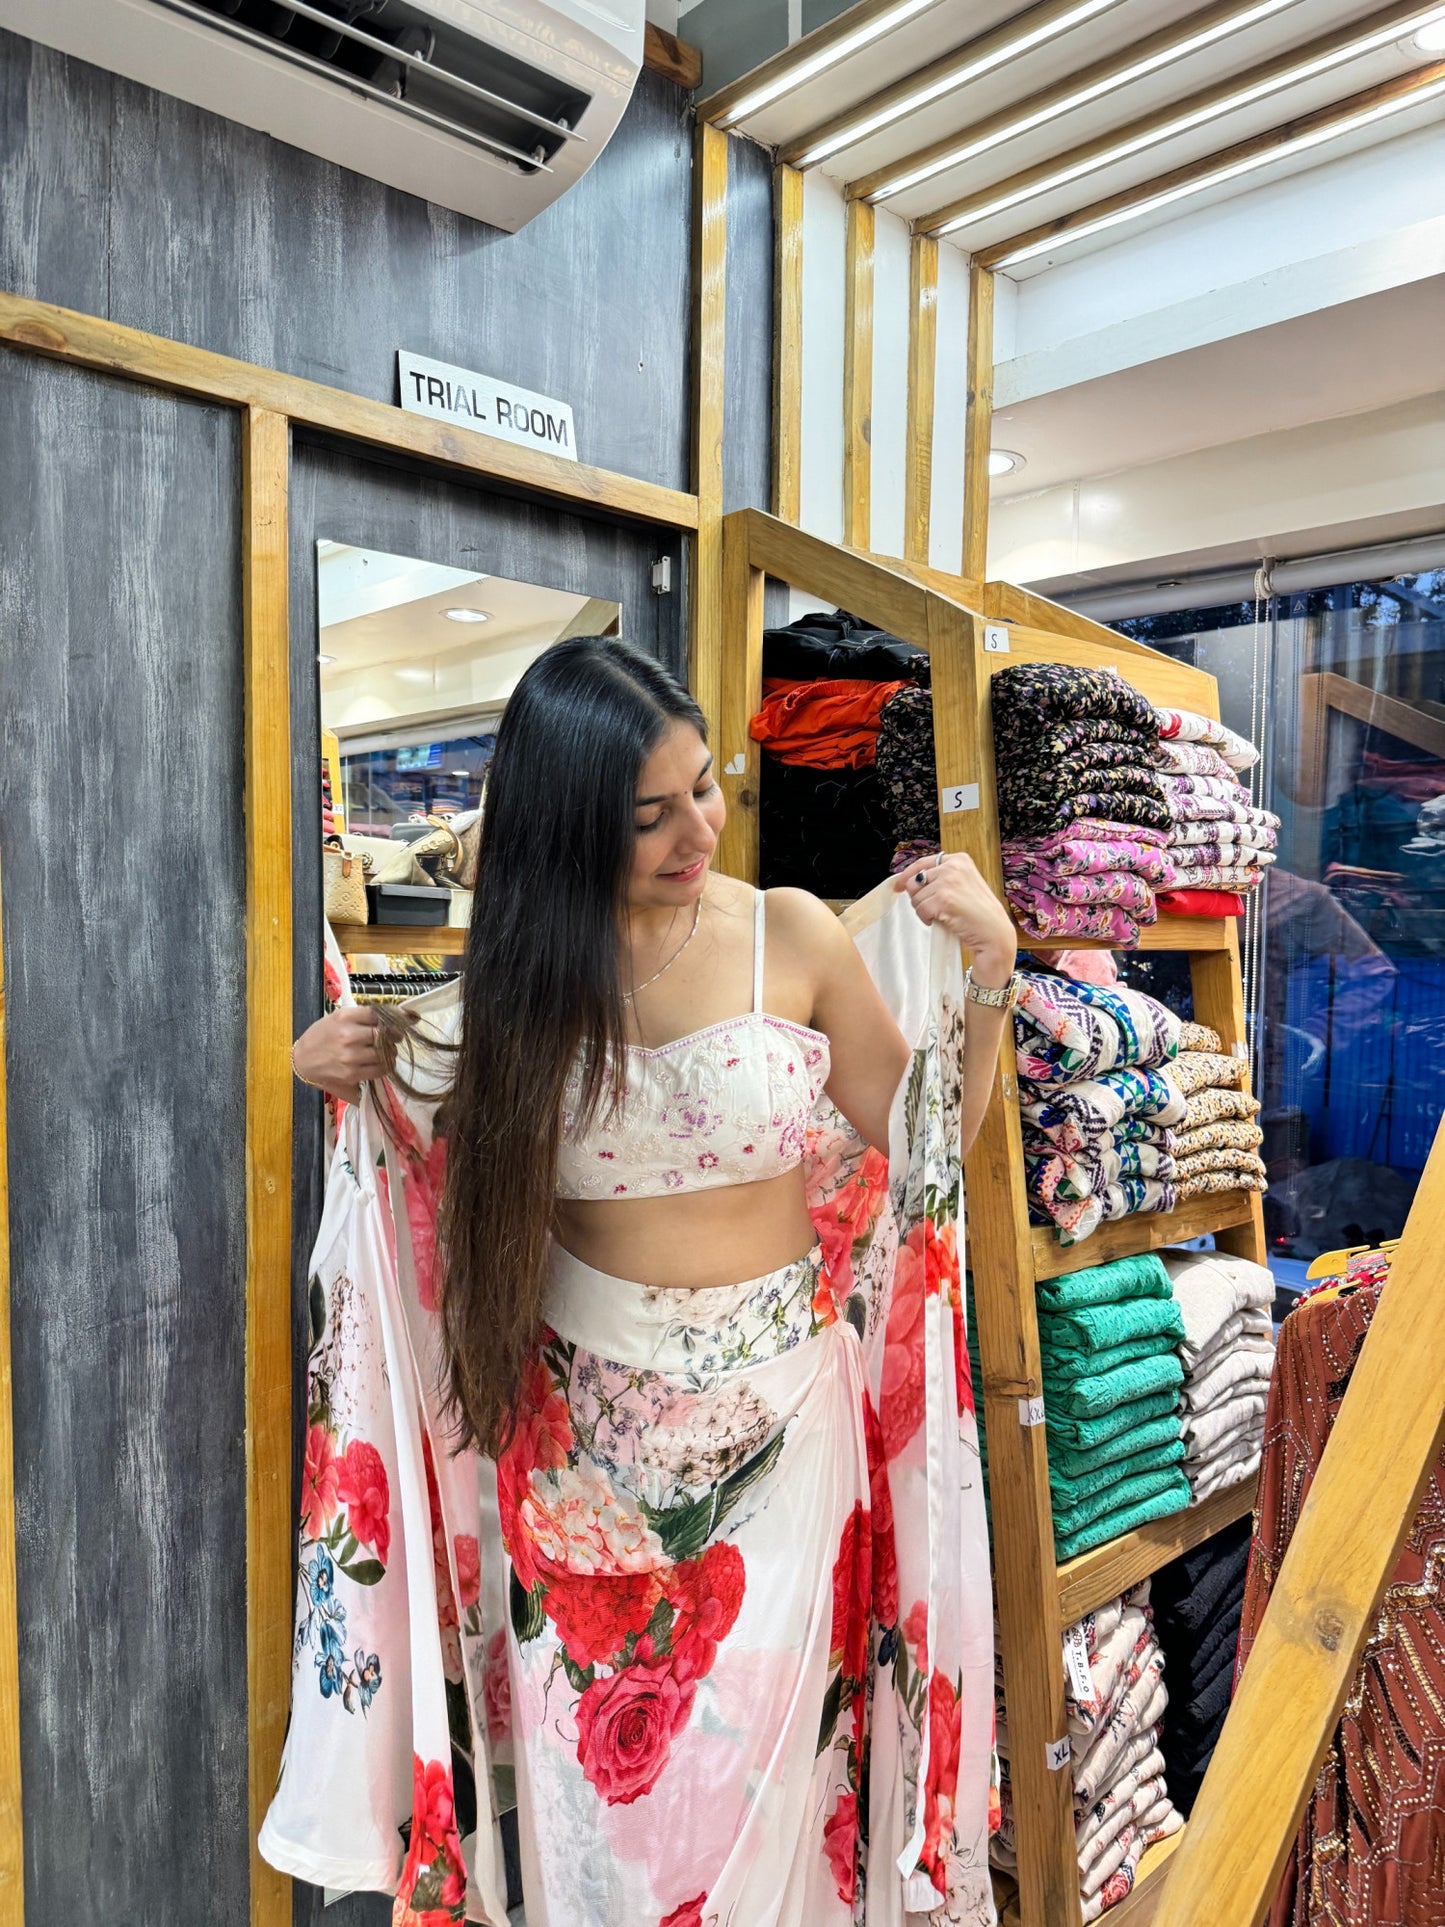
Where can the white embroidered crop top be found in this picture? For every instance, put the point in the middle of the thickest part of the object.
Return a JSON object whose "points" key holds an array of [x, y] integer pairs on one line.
{"points": [[726, 1105]]}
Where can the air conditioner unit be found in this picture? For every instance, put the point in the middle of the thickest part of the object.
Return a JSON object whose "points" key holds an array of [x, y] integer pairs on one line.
{"points": [[490, 107]]}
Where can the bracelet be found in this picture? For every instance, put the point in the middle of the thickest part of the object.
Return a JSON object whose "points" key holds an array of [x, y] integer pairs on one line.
{"points": [[1001, 998], [297, 1075]]}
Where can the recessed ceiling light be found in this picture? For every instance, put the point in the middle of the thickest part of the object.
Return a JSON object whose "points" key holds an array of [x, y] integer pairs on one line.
{"points": [[466, 615], [324, 658], [843, 47], [1003, 461], [1431, 37]]}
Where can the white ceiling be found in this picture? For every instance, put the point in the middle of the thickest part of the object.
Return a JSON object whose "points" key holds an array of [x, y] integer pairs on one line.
{"points": [[1064, 57]]}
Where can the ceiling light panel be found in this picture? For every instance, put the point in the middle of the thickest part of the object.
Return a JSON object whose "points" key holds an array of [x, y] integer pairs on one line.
{"points": [[1049, 105], [1314, 75], [1147, 205], [808, 67]]}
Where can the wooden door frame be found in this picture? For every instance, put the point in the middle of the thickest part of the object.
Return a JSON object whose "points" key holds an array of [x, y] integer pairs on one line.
{"points": [[271, 405]]}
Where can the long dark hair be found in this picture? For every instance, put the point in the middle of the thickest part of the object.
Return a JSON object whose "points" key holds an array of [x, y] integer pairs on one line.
{"points": [[540, 985]]}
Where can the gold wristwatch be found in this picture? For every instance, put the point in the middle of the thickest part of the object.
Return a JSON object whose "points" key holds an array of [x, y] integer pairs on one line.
{"points": [[1001, 998]]}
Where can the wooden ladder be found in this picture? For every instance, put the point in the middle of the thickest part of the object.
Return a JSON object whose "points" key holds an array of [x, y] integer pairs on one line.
{"points": [[1036, 1596]]}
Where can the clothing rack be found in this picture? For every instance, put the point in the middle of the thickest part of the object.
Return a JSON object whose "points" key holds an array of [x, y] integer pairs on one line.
{"points": [[1036, 1596]]}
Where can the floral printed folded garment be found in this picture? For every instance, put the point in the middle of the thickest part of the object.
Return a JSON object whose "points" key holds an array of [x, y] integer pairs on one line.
{"points": [[1075, 1116], [1184, 726], [1239, 880], [1128, 890], [1092, 844], [1249, 835]]}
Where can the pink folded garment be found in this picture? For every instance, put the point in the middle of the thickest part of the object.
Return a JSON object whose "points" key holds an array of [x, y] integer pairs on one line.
{"points": [[1228, 787], [1191, 856], [1042, 919], [1191, 759], [1130, 892], [1139, 851]]}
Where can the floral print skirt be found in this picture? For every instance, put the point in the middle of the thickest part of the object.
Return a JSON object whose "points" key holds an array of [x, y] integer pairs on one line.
{"points": [[685, 1508]]}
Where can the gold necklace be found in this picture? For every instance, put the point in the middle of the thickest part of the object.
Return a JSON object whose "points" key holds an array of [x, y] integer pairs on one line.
{"points": [[628, 995]]}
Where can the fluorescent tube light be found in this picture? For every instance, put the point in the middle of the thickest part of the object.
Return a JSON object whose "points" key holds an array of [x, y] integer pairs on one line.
{"points": [[1301, 144], [869, 124], [1180, 49], [1431, 38], [794, 77], [1182, 123]]}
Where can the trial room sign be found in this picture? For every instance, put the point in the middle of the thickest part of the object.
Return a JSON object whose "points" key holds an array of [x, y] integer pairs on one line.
{"points": [[494, 407]]}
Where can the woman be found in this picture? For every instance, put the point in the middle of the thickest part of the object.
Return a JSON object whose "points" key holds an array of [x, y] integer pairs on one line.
{"points": [[637, 1326]]}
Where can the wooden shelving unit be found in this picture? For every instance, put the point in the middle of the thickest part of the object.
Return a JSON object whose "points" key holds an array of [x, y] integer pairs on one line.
{"points": [[1007, 1256], [399, 939]]}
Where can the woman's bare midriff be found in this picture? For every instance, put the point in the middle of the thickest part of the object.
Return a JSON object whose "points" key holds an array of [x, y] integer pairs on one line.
{"points": [[700, 1238]]}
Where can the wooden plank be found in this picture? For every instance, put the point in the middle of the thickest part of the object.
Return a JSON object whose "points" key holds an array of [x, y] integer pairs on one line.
{"points": [[1145, 1231], [858, 376], [922, 363], [978, 423], [774, 77], [868, 588], [399, 939], [709, 303], [1000, 1260], [1165, 122], [1140, 1907], [1397, 90], [663, 53], [41, 328], [1381, 1450], [956, 587], [738, 757], [1007, 603], [1412, 725], [1190, 934], [1314, 743], [1095, 1577], [1160, 678], [982, 54], [12, 1832], [266, 455], [788, 344]]}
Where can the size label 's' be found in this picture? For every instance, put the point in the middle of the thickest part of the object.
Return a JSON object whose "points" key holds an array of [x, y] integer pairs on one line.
{"points": [[956, 797], [995, 639]]}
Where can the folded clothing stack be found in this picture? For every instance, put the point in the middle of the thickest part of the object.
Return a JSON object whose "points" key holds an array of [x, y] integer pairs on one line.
{"points": [[1086, 1053], [1219, 843], [1082, 810], [1216, 1144], [1108, 1344], [1228, 1353], [1116, 1700], [827, 680], [1198, 1599]]}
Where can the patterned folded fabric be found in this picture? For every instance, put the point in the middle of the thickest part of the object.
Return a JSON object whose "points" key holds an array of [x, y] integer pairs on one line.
{"points": [[1241, 880], [1184, 726], [1091, 1397], [1090, 830], [1030, 693], [1062, 1368], [1068, 1491], [1174, 1497], [1126, 888], [1120, 1200], [1042, 918], [1068, 1524], [1253, 836], [1228, 788], [1071, 1464], [1214, 809], [1216, 1183], [1145, 1276], [1066, 1031], [1100, 802], [1229, 1134], [1074, 1432], [1211, 1106], [1195, 856], [1191, 759], [1194, 1070], [1077, 1115], [1109, 765], [1225, 1157], [1143, 1130], [1050, 741], [1087, 1329], [1200, 903], [1199, 1037], [1056, 1174]]}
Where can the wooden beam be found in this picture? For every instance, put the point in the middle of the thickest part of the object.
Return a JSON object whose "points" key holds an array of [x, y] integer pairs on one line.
{"points": [[738, 757], [858, 377], [985, 53], [1007, 603], [1259, 148], [854, 23], [1097, 1576], [709, 303], [663, 53], [1381, 1450], [868, 588], [1410, 724], [922, 362], [270, 1520], [1164, 123], [788, 343], [88, 342], [978, 423], [12, 1828]]}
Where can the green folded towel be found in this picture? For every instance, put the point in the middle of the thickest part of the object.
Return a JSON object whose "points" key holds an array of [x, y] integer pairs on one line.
{"points": [[1079, 1462], [1080, 1434], [1116, 1497], [1173, 1499], [1092, 1397], [1071, 1491], [1097, 1328], [1141, 1277], [1062, 1368]]}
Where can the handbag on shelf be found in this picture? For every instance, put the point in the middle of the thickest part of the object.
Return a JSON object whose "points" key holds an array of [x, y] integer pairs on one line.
{"points": [[440, 851], [344, 876], [465, 830]]}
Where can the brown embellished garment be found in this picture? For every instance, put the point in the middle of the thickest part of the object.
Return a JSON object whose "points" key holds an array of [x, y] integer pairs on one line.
{"points": [[1370, 1851]]}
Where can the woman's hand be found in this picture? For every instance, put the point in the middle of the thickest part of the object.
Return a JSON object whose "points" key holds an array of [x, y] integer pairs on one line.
{"points": [[340, 1053], [949, 890]]}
